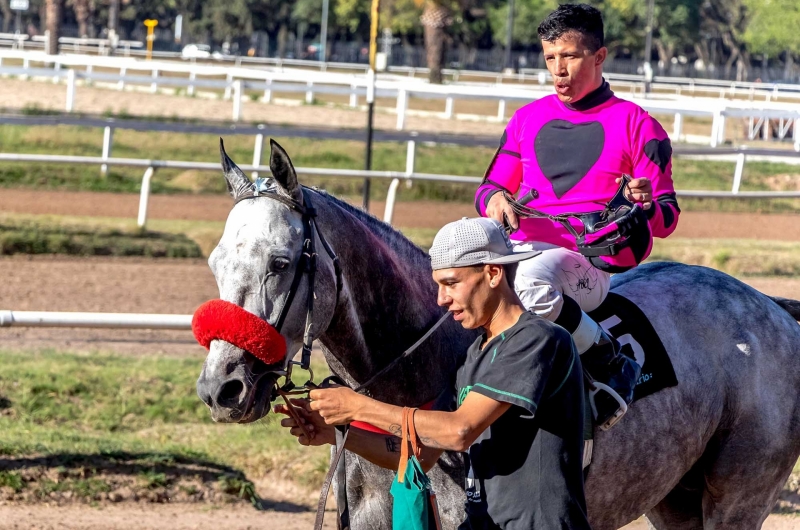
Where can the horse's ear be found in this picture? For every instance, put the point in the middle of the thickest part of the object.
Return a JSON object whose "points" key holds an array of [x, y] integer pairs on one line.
{"points": [[283, 172], [237, 181]]}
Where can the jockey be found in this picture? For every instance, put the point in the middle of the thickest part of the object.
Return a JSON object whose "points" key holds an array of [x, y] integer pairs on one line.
{"points": [[567, 153], [516, 410]]}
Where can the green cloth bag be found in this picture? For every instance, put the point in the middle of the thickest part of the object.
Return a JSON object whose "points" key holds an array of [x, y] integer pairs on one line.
{"points": [[414, 505]]}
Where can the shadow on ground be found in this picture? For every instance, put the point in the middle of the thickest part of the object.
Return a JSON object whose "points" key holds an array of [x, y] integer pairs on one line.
{"points": [[122, 476]]}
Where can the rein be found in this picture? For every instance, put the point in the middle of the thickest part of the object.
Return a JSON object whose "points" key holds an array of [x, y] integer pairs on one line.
{"points": [[589, 220]]}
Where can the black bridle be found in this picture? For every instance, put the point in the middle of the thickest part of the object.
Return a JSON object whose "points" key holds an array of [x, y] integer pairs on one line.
{"points": [[306, 265]]}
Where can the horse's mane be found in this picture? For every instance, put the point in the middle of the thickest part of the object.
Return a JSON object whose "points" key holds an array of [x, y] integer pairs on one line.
{"points": [[392, 237]]}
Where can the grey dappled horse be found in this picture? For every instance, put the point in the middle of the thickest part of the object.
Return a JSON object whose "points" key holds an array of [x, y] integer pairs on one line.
{"points": [[712, 452]]}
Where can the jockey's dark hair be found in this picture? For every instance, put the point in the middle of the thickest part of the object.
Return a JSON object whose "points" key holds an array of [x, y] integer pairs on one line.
{"points": [[578, 18]]}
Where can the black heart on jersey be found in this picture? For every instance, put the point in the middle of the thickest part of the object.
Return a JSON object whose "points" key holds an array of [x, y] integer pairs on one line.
{"points": [[659, 152], [567, 151]]}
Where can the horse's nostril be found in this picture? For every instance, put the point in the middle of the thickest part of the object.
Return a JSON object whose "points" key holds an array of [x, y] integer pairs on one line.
{"points": [[228, 396]]}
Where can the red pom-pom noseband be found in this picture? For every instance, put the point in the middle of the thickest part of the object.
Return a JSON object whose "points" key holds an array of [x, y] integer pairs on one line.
{"points": [[221, 320]]}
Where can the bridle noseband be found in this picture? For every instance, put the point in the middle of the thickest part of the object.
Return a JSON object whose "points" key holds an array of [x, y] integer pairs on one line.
{"points": [[307, 264]]}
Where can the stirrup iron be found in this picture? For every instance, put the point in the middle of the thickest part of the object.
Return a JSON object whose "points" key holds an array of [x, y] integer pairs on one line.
{"points": [[613, 420]]}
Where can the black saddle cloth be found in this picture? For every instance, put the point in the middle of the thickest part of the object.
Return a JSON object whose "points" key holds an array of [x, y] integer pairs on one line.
{"points": [[623, 320]]}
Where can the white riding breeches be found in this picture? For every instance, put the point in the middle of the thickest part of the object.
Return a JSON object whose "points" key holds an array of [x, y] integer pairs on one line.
{"points": [[543, 280]]}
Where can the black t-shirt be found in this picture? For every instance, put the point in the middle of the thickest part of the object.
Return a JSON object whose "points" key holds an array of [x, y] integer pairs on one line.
{"points": [[525, 471]]}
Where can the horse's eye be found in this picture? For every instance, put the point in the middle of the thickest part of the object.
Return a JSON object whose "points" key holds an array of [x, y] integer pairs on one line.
{"points": [[280, 265]]}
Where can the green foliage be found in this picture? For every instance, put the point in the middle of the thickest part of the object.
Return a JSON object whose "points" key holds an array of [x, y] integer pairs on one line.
{"points": [[353, 16], [239, 486], [153, 480], [10, 479], [528, 14], [772, 27], [33, 109]]}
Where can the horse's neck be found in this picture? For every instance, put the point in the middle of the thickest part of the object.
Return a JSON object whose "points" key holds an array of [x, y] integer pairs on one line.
{"points": [[387, 301]]}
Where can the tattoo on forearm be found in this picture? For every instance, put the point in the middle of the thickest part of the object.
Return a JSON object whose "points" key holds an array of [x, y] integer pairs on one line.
{"points": [[392, 444], [430, 442], [395, 429]]}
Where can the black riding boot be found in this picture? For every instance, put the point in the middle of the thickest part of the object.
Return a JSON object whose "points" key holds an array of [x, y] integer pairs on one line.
{"points": [[608, 366]]}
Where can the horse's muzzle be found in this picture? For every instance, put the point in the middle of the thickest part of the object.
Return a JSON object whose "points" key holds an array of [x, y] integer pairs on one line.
{"points": [[237, 393]]}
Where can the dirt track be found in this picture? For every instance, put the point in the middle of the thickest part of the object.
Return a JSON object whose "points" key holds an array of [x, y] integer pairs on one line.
{"points": [[418, 214], [155, 517]]}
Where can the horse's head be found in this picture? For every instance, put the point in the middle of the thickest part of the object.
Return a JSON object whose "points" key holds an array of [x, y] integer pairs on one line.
{"points": [[254, 265]]}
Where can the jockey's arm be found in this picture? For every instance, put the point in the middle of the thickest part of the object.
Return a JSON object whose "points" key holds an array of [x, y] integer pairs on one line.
{"points": [[504, 173], [437, 431], [652, 160]]}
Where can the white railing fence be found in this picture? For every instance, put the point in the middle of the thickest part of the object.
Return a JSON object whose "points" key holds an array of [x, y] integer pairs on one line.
{"points": [[241, 84], [739, 156], [636, 82], [53, 319]]}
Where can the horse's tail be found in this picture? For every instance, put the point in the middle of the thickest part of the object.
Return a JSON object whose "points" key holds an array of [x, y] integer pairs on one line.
{"points": [[790, 306]]}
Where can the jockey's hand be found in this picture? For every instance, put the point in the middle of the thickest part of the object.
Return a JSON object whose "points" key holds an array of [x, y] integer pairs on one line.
{"points": [[338, 405], [639, 190], [319, 432], [498, 207]]}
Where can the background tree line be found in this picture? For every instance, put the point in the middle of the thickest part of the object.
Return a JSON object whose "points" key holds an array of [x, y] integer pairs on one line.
{"points": [[732, 34]]}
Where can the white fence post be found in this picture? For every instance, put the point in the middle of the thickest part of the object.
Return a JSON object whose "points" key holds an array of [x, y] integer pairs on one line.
{"points": [[190, 88], [388, 211], [154, 85], [108, 137], [89, 70], [259, 147], [122, 73], [144, 197], [715, 128], [411, 156], [501, 110], [766, 132], [448, 107], [737, 175], [267, 92], [796, 134], [56, 68], [677, 129], [70, 90], [310, 92], [26, 64], [229, 79], [237, 99], [402, 104], [353, 96], [721, 130]]}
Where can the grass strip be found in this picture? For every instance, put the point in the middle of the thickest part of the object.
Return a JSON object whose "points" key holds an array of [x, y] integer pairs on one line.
{"points": [[104, 426], [31, 237], [739, 257]]}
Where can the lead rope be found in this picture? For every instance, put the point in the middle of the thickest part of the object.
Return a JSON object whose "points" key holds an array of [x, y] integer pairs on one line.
{"points": [[342, 431]]}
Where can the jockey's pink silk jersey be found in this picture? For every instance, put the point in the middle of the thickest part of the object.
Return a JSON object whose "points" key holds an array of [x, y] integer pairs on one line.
{"points": [[562, 158]]}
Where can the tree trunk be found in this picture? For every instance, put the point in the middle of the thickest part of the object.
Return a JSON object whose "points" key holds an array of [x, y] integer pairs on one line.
{"points": [[113, 18], [665, 54], [81, 8], [283, 33], [788, 67], [8, 15], [434, 19], [53, 25]]}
